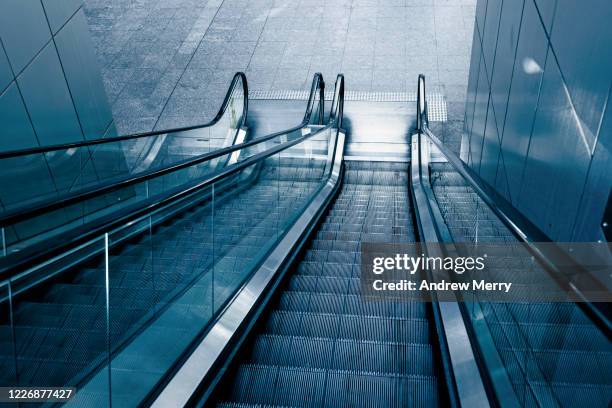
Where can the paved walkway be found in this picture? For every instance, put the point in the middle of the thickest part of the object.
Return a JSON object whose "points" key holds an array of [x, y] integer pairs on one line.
{"points": [[168, 63]]}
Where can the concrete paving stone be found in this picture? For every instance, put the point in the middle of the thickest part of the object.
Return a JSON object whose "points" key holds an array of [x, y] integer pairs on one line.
{"points": [[238, 62], [332, 50], [390, 62], [138, 90], [221, 77], [275, 35], [211, 47], [128, 125], [365, 3], [265, 62], [389, 11], [135, 108], [390, 47], [167, 83], [425, 62], [184, 106], [300, 48], [261, 80], [291, 79], [358, 80], [335, 59], [240, 48], [247, 33], [270, 48], [196, 77], [358, 62], [173, 122], [113, 90], [201, 60], [452, 77], [455, 62], [412, 3], [161, 61], [219, 35], [359, 48], [418, 47], [389, 80], [179, 61], [297, 62]]}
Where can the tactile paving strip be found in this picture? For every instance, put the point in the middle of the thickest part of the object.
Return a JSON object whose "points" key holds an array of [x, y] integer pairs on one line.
{"points": [[436, 101]]}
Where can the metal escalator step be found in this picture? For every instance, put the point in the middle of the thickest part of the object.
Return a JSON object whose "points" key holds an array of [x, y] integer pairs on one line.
{"points": [[302, 324], [275, 386], [300, 387], [318, 255], [350, 305], [345, 270], [252, 384], [323, 284], [359, 305], [290, 351], [343, 354], [246, 405], [348, 389], [348, 327], [272, 386], [385, 329]]}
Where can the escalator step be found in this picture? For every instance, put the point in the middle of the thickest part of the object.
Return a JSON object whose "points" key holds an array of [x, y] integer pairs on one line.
{"points": [[269, 386], [350, 305], [371, 390], [348, 327], [342, 354]]}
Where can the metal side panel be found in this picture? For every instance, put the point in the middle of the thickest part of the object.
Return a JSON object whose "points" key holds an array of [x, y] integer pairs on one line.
{"points": [[470, 389], [206, 356]]}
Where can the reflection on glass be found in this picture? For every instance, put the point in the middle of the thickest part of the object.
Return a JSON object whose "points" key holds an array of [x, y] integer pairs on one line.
{"points": [[550, 352], [54, 174]]}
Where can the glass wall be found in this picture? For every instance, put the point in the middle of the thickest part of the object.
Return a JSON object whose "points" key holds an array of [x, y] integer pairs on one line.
{"points": [[536, 126]]}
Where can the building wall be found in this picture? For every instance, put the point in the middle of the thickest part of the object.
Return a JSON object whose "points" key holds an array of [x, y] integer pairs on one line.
{"points": [[538, 125], [51, 90]]}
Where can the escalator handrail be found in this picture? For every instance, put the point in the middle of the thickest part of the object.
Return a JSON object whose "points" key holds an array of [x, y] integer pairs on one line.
{"points": [[14, 265], [317, 87], [523, 229], [239, 77], [11, 217]]}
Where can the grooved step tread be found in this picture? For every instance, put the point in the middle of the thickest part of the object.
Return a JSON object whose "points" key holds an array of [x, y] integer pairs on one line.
{"points": [[303, 387]]}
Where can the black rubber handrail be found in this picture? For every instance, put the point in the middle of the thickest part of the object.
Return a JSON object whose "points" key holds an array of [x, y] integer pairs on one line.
{"points": [[238, 77], [36, 209], [522, 228], [15, 264]]}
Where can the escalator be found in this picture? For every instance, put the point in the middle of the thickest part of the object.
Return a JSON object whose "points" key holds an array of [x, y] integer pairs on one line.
{"points": [[150, 278], [534, 353], [554, 354], [317, 340], [323, 343]]}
